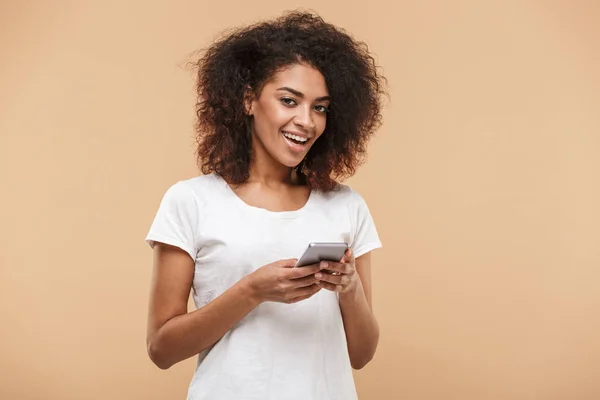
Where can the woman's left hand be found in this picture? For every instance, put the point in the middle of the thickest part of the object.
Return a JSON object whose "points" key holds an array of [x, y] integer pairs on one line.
{"points": [[338, 276]]}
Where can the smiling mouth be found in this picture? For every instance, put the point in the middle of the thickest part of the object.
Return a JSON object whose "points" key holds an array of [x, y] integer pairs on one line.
{"points": [[294, 139]]}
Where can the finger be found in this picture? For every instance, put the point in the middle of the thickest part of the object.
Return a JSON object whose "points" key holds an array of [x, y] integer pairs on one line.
{"points": [[300, 298], [304, 293], [348, 256], [333, 279], [336, 267], [289, 263], [303, 282], [301, 272], [330, 286]]}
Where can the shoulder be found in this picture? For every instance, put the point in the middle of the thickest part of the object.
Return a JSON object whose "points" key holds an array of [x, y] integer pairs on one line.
{"points": [[194, 189], [200, 182], [345, 197], [343, 193]]}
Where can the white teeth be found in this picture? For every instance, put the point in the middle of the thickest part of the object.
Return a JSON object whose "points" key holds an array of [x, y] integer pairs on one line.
{"points": [[298, 138]]}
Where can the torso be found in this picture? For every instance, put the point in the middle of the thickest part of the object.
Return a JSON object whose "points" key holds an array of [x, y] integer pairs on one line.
{"points": [[277, 351]]}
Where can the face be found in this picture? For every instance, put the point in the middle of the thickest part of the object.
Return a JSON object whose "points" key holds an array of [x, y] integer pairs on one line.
{"points": [[290, 114]]}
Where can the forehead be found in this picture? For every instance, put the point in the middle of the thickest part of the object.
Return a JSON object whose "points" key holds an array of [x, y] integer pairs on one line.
{"points": [[300, 77]]}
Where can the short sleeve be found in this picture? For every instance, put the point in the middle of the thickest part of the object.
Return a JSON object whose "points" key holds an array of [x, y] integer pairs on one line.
{"points": [[176, 220], [365, 237]]}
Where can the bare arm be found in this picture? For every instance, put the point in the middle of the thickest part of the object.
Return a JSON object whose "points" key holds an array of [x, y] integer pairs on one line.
{"points": [[362, 330], [174, 335], [353, 282]]}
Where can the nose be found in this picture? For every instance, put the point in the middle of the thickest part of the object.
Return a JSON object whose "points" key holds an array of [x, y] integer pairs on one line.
{"points": [[304, 118]]}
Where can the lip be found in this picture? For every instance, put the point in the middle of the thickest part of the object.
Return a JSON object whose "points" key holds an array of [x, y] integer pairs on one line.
{"points": [[302, 135], [296, 148]]}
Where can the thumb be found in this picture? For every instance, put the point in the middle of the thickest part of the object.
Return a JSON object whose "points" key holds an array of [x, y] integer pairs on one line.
{"points": [[348, 256], [288, 263]]}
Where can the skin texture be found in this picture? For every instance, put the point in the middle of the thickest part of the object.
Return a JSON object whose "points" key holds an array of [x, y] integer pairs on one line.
{"points": [[173, 333], [236, 67], [295, 101]]}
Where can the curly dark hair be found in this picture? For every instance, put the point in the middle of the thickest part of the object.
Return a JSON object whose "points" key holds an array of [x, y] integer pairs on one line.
{"points": [[248, 57]]}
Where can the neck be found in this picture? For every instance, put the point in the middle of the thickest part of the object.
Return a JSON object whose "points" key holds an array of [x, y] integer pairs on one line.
{"points": [[265, 169]]}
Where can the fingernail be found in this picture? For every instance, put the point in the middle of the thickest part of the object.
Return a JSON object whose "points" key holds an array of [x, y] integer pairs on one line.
{"points": [[318, 275], [324, 264]]}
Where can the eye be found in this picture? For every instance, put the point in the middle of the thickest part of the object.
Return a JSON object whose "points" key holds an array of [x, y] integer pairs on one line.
{"points": [[288, 101], [322, 109]]}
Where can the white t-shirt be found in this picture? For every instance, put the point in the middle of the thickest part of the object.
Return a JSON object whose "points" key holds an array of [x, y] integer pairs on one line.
{"points": [[278, 351]]}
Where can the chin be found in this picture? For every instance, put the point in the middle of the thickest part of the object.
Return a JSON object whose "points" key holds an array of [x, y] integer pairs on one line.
{"points": [[291, 159], [291, 162]]}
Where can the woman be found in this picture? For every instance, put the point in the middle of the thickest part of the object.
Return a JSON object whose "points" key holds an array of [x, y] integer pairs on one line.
{"points": [[285, 109]]}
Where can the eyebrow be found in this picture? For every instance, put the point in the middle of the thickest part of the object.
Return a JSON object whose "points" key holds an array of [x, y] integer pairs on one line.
{"points": [[301, 95]]}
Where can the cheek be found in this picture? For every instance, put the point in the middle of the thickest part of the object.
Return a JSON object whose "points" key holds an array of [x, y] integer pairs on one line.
{"points": [[321, 124], [275, 116], [267, 122]]}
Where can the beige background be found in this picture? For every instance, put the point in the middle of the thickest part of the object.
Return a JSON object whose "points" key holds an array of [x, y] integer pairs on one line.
{"points": [[484, 183]]}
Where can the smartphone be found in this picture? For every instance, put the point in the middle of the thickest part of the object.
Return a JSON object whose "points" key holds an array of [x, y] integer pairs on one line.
{"points": [[322, 251]]}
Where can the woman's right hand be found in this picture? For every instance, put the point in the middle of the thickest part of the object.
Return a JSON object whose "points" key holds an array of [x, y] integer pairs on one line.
{"points": [[281, 282]]}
